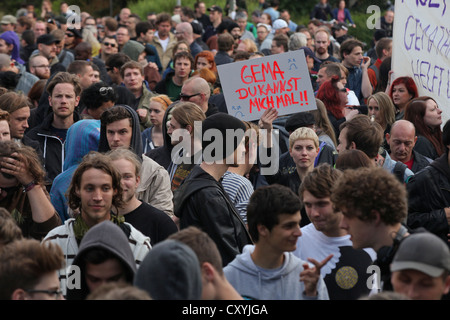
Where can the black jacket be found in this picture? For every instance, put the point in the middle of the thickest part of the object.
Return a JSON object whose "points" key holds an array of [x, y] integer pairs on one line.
{"points": [[52, 147], [428, 195], [163, 154], [201, 201], [420, 162]]}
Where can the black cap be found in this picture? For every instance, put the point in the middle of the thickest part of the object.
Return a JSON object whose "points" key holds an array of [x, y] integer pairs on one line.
{"points": [[310, 53], [47, 39], [215, 8], [298, 120], [197, 28]]}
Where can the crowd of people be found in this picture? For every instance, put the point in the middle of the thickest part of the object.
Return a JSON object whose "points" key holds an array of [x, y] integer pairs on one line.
{"points": [[109, 188]]}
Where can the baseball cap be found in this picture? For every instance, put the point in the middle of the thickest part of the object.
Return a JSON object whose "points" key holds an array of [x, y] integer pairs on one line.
{"points": [[310, 53], [47, 39], [267, 26], [215, 8], [424, 252], [8, 19], [279, 24]]}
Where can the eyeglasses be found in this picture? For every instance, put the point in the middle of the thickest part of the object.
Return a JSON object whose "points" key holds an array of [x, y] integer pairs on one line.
{"points": [[54, 293], [342, 90], [105, 90], [187, 97], [113, 45], [42, 66]]}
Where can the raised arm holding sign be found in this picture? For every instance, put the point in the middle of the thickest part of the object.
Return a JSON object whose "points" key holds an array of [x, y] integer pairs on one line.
{"points": [[279, 81]]}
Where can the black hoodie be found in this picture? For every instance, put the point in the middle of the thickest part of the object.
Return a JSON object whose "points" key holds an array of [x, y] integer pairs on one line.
{"points": [[108, 237], [136, 139]]}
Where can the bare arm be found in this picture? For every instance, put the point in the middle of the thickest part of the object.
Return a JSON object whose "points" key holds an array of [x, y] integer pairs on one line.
{"points": [[366, 86]]}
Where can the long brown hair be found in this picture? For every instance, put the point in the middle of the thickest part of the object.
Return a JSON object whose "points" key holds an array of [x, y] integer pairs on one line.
{"points": [[414, 112]]}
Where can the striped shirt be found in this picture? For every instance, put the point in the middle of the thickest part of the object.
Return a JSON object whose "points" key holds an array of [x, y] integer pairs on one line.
{"points": [[239, 190]]}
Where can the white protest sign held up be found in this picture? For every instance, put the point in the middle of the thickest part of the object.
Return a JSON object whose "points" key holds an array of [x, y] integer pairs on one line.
{"points": [[421, 48], [279, 81]]}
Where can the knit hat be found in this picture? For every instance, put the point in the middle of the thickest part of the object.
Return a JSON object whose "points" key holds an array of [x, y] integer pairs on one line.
{"points": [[424, 252], [133, 49], [221, 136], [298, 120], [170, 271]]}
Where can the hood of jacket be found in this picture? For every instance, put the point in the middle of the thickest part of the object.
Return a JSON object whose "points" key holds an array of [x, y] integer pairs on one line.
{"points": [[244, 263], [11, 37], [136, 138], [107, 236], [82, 137], [170, 271]]}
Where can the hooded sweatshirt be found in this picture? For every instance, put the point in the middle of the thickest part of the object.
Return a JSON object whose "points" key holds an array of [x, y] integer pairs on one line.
{"points": [[283, 283], [11, 37], [136, 140], [170, 271], [154, 187], [82, 137], [109, 237]]}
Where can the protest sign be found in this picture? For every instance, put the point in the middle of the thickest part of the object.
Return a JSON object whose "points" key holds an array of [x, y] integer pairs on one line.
{"points": [[421, 48], [279, 81]]}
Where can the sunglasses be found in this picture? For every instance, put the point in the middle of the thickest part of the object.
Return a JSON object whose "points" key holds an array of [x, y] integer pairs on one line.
{"points": [[187, 97], [113, 45], [106, 90], [70, 35]]}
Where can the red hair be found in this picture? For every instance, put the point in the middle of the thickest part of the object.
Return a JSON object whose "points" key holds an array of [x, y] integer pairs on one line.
{"points": [[208, 55], [328, 93], [409, 84], [414, 112]]}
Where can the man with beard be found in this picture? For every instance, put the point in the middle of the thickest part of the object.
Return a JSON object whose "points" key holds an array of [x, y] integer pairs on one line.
{"points": [[321, 43], [40, 67]]}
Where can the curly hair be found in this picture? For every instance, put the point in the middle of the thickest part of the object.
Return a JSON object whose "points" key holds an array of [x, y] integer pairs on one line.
{"points": [[359, 193], [94, 160]]}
